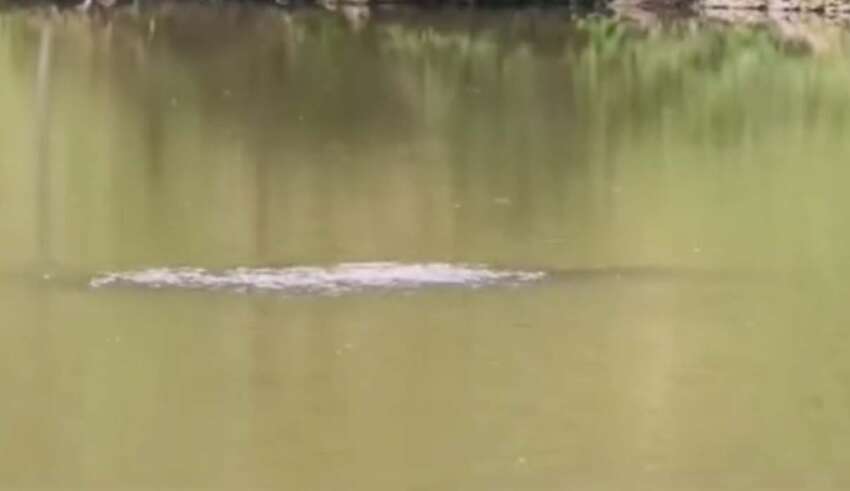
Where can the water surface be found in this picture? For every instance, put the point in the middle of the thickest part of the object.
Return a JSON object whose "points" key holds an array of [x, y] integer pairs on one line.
{"points": [[252, 139]]}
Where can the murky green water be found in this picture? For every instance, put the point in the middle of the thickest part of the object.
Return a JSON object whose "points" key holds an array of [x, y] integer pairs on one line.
{"points": [[529, 140]]}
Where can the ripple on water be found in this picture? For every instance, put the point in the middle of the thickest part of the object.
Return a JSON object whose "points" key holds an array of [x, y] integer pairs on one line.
{"points": [[331, 280]]}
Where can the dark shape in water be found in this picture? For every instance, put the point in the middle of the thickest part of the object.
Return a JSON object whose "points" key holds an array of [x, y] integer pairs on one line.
{"points": [[346, 278], [313, 280]]}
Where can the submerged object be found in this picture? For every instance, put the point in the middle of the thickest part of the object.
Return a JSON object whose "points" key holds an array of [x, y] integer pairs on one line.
{"points": [[315, 280], [348, 278]]}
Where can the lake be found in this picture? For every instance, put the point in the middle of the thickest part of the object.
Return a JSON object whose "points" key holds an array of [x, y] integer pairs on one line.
{"points": [[675, 181]]}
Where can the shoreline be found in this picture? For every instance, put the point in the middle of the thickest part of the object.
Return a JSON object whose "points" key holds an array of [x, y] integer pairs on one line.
{"points": [[812, 31], [746, 11]]}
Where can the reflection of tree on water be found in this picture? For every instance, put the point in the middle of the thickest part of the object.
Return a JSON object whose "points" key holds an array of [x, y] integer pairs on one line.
{"points": [[42, 145], [490, 118]]}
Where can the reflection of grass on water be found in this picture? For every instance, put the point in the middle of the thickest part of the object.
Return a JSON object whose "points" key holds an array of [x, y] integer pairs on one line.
{"points": [[545, 112]]}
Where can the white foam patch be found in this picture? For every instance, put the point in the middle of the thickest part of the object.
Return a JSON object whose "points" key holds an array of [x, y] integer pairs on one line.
{"points": [[332, 280]]}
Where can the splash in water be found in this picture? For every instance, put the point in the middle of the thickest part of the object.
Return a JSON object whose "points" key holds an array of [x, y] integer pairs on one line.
{"points": [[331, 280]]}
